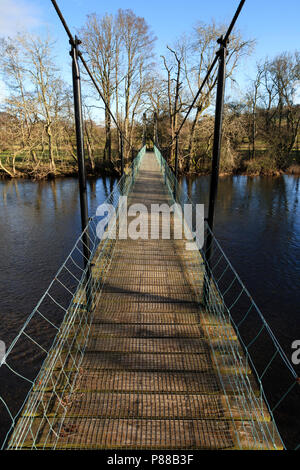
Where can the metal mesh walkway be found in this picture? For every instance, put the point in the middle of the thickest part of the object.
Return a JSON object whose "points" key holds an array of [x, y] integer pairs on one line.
{"points": [[151, 376]]}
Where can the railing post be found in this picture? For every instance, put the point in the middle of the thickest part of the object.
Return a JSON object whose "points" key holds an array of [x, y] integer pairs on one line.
{"points": [[215, 162], [80, 157]]}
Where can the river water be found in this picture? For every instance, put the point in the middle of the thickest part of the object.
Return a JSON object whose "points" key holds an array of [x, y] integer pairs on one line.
{"points": [[257, 222]]}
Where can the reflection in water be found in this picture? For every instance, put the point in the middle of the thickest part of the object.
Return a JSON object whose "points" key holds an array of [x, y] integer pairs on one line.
{"points": [[258, 224]]}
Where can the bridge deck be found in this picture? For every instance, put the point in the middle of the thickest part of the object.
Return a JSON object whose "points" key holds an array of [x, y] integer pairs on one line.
{"points": [[148, 378]]}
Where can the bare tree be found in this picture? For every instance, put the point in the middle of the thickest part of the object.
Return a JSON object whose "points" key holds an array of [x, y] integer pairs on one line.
{"points": [[199, 54], [186, 68], [252, 98], [137, 41], [20, 102], [277, 117], [101, 39], [43, 75], [174, 96]]}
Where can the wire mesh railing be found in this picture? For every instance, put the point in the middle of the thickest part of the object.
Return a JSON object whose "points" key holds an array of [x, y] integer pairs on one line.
{"points": [[56, 333], [257, 357]]}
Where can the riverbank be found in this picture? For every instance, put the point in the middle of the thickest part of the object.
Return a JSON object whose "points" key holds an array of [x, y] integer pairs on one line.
{"points": [[293, 170], [41, 171]]}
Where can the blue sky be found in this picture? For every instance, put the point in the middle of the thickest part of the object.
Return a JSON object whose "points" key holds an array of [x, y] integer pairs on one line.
{"points": [[273, 23]]}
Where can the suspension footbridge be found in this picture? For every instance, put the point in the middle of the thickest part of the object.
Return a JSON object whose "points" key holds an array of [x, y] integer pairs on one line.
{"points": [[144, 363], [142, 343]]}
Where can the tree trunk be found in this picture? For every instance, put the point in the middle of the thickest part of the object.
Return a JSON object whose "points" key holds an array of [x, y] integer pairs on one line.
{"points": [[50, 148], [192, 141], [90, 155], [89, 147], [33, 155], [253, 135], [5, 169], [107, 149]]}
